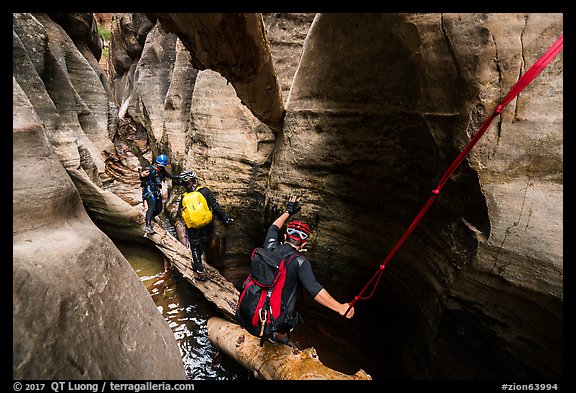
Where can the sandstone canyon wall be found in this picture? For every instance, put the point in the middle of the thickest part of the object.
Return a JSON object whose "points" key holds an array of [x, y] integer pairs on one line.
{"points": [[376, 108], [370, 129], [79, 310]]}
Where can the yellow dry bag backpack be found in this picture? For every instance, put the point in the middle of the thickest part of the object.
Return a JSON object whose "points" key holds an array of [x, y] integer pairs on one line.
{"points": [[196, 212]]}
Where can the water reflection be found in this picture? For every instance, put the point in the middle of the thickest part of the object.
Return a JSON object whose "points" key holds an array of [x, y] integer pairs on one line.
{"points": [[186, 311]]}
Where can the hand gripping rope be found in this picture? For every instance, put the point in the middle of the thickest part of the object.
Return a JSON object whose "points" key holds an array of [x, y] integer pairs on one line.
{"points": [[516, 89]]}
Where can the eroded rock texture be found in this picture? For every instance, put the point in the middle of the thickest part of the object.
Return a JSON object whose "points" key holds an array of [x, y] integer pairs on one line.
{"points": [[476, 291], [196, 118], [377, 106], [79, 310], [212, 40]]}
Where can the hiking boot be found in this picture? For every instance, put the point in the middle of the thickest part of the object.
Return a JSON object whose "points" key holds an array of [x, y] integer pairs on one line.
{"points": [[276, 338], [198, 268], [149, 230], [201, 276]]}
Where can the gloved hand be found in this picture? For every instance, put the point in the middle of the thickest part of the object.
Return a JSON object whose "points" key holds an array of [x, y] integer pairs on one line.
{"points": [[228, 220], [292, 207]]}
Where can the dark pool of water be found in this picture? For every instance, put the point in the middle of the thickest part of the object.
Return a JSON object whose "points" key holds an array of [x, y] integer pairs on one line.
{"points": [[186, 312]]}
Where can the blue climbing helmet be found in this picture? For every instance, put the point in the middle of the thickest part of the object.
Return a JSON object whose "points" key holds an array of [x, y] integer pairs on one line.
{"points": [[162, 160]]}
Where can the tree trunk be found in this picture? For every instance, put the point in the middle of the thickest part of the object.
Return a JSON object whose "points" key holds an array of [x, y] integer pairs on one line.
{"points": [[216, 289], [272, 361]]}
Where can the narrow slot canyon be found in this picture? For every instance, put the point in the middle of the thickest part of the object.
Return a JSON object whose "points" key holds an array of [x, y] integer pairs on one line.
{"points": [[359, 114]]}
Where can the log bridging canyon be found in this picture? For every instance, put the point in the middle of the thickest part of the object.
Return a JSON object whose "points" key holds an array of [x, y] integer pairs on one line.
{"points": [[272, 361], [216, 289]]}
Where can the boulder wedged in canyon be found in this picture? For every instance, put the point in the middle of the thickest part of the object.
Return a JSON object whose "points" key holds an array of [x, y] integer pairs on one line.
{"points": [[236, 46]]}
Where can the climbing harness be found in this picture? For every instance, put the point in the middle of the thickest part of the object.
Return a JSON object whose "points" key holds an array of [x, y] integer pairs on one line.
{"points": [[153, 185], [524, 81]]}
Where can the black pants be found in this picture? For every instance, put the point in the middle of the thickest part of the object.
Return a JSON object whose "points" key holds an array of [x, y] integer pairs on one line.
{"points": [[154, 203], [198, 239], [289, 323]]}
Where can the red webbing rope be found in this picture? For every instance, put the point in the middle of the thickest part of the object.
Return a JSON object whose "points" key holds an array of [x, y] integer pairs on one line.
{"points": [[516, 89]]}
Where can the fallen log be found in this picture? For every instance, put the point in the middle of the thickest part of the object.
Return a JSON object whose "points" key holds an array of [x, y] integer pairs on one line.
{"points": [[271, 361], [216, 289]]}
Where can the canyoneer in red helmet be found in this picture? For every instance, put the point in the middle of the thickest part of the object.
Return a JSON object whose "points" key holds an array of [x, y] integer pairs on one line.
{"points": [[299, 271]]}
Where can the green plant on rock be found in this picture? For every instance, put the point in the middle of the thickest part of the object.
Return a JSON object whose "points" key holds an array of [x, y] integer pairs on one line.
{"points": [[104, 34]]}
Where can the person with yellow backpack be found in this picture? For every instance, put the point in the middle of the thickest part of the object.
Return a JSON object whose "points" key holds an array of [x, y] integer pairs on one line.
{"points": [[197, 208]]}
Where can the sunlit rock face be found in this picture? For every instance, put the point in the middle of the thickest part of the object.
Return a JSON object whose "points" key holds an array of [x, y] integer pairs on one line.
{"points": [[79, 310]]}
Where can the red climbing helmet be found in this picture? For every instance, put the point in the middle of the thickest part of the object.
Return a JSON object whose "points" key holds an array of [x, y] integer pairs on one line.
{"points": [[298, 230]]}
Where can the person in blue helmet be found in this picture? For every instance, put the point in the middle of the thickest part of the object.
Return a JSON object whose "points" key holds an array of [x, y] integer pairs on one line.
{"points": [[151, 180]]}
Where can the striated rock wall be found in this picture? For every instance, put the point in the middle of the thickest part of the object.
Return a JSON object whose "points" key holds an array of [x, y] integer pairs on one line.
{"points": [[79, 310], [512, 296], [197, 119], [370, 129], [377, 107], [236, 46]]}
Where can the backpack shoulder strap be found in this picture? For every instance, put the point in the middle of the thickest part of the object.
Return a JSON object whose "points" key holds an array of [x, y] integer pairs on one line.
{"points": [[300, 259], [293, 256]]}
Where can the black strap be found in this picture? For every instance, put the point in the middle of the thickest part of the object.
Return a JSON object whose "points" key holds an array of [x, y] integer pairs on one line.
{"points": [[266, 306], [291, 257], [288, 257]]}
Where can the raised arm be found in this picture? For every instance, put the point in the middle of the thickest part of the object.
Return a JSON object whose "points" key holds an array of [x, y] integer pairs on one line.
{"points": [[292, 201]]}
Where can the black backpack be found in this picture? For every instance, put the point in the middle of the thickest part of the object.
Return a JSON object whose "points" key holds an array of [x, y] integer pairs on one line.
{"points": [[260, 309]]}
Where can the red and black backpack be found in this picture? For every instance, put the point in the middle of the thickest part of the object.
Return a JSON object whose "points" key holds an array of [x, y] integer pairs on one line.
{"points": [[260, 307]]}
